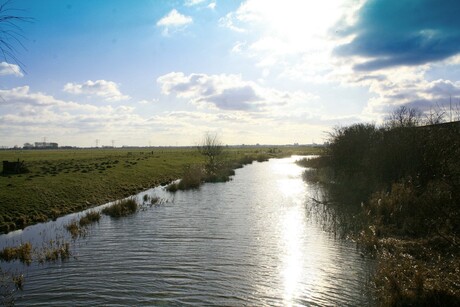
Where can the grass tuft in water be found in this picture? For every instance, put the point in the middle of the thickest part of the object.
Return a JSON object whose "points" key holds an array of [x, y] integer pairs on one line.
{"points": [[78, 228], [89, 218], [55, 251], [22, 253], [121, 208], [74, 229]]}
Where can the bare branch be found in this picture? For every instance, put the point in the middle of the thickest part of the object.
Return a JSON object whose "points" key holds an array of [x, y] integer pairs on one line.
{"points": [[404, 117], [11, 36], [211, 147]]}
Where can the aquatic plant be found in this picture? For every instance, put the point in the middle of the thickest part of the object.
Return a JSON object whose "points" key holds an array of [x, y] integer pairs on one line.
{"points": [[121, 208], [89, 218], [54, 251], [155, 200], [79, 227], [22, 253], [10, 283], [74, 228]]}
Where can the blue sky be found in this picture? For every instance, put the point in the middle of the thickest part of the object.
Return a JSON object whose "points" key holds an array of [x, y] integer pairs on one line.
{"points": [[253, 71]]}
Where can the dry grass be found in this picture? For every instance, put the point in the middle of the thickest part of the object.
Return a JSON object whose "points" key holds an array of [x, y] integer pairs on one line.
{"points": [[22, 253], [121, 208]]}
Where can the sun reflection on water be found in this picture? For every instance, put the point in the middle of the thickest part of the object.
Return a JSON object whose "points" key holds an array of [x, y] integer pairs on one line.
{"points": [[300, 271], [292, 268]]}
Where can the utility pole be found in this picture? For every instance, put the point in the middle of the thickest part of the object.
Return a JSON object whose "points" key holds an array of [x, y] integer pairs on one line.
{"points": [[97, 143]]}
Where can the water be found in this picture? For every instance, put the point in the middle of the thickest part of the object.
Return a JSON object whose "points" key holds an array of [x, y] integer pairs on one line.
{"points": [[249, 242]]}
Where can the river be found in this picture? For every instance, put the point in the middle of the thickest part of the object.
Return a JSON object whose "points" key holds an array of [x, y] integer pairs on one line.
{"points": [[248, 242]]}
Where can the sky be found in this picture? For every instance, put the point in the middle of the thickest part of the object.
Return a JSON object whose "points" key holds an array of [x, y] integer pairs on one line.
{"points": [[140, 73]]}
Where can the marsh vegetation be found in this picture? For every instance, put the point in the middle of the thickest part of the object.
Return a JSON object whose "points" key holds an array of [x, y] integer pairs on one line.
{"points": [[121, 208], [402, 182], [78, 227]]}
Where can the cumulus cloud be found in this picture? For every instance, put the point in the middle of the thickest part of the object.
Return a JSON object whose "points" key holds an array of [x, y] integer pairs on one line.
{"points": [[10, 69], [390, 33], [101, 88], [221, 91], [26, 116], [174, 21], [227, 92], [22, 96]]}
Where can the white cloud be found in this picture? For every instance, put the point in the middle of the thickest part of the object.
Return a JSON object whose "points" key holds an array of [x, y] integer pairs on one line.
{"points": [[174, 21], [228, 21], [151, 101], [211, 5], [27, 116], [101, 88], [22, 96], [291, 37], [228, 92], [10, 69], [193, 2]]}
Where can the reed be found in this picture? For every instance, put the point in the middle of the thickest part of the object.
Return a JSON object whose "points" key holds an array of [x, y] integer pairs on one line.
{"points": [[121, 208], [89, 218], [22, 253]]}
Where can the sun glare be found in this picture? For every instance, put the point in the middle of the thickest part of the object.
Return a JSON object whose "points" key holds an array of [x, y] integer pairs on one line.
{"points": [[297, 20], [292, 262]]}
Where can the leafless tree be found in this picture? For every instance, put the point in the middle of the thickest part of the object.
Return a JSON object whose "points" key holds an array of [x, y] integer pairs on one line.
{"points": [[11, 36], [404, 117], [437, 115], [455, 111], [211, 148]]}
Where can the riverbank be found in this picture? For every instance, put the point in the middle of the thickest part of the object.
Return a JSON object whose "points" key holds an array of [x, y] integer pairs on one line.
{"points": [[59, 182], [208, 246], [403, 184]]}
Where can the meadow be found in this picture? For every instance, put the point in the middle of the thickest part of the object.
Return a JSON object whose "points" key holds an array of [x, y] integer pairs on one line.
{"points": [[64, 181]]}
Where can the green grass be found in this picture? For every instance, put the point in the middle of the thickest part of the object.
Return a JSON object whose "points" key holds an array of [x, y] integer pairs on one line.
{"points": [[60, 182]]}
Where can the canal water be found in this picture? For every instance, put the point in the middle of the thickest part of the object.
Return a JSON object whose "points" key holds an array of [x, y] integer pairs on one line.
{"points": [[249, 242]]}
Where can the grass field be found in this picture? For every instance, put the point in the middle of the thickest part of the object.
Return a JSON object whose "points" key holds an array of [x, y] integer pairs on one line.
{"points": [[70, 180]]}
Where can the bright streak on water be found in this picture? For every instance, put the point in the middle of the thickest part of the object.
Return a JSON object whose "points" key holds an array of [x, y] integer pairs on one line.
{"points": [[248, 242]]}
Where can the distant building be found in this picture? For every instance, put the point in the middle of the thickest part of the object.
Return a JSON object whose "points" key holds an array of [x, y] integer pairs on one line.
{"points": [[28, 146], [45, 145]]}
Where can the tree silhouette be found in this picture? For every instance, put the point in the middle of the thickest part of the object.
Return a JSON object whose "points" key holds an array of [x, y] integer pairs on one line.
{"points": [[11, 36]]}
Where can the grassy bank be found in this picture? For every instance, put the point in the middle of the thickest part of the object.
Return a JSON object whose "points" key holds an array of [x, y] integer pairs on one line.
{"points": [[403, 186], [65, 181]]}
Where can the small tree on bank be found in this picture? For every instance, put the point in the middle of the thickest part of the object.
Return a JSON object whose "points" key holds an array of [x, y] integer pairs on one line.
{"points": [[211, 148]]}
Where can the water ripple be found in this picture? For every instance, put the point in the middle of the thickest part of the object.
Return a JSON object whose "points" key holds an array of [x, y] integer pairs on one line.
{"points": [[243, 243]]}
